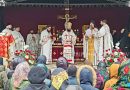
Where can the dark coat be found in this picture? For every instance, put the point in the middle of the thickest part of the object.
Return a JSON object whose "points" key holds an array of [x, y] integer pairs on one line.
{"points": [[37, 87]]}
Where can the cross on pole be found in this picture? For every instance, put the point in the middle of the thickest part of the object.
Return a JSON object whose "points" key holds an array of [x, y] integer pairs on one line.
{"points": [[67, 17]]}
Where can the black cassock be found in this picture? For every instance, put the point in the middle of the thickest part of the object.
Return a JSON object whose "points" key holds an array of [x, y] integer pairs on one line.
{"points": [[125, 43]]}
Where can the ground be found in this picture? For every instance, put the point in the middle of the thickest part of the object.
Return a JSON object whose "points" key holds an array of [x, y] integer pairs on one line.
{"points": [[53, 65]]}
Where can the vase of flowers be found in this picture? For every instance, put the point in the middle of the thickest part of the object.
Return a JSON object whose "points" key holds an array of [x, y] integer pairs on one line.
{"points": [[29, 56]]}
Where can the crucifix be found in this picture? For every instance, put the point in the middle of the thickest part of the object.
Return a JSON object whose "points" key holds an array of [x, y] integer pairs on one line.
{"points": [[67, 17]]}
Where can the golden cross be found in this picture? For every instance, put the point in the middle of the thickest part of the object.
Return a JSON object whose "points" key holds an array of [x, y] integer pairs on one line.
{"points": [[67, 17]]}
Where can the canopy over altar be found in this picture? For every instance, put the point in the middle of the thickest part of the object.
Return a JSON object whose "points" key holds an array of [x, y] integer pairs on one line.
{"points": [[29, 14]]}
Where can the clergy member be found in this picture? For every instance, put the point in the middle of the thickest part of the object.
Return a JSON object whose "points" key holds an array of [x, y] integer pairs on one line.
{"points": [[106, 41], [85, 39], [32, 42], [7, 45], [68, 41], [8, 30], [19, 40], [46, 42], [37, 42], [92, 44]]}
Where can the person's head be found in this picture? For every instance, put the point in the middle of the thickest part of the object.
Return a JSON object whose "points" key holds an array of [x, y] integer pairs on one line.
{"points": [[41, 59], [9, 26], [48, 73], [62, 76], [92, 24], [103, 22], [37, 75], [49, 28], [122, 30], [113, 70], [101, 65], [17, 60], [72, 70], [102, 69], [114, 31], [20, 73], [14, 29], [17, 29], [43, 66], [69, 26], [62, 63], [86, 74], [31, 31]]}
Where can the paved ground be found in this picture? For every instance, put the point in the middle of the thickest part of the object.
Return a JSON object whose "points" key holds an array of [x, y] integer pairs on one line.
{"points": [[53, 65]]}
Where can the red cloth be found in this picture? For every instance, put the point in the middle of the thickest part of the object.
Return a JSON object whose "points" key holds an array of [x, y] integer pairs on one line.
{"points": [[68, 46], [5, 42]]}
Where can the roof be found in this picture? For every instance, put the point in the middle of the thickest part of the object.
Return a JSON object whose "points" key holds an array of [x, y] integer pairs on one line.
{"points": [[70, 1], [63, 2]]}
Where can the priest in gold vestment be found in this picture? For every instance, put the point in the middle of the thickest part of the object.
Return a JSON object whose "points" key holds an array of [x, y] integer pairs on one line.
{"points": [[92, 44]]}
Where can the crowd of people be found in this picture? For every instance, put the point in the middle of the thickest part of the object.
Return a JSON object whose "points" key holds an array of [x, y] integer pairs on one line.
{"points": [[20, 75]]}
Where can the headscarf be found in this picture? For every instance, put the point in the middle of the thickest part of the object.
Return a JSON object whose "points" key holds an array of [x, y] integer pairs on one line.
{"points": [[48, 74], [102, 69], [41, 59], [16, 61], [13, 64], [124, 76], [113, 70], [86, 74], [37, 75], [59, 78], [100, 81], [20, 73], [62, 63]]}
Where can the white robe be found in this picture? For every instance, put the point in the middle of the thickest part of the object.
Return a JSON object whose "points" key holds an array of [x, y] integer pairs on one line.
{"points": [[68, 41], [7, 31], [19, 40], [105, 42], [46, 45], [96, 44], [84, 46], [32, 42]]}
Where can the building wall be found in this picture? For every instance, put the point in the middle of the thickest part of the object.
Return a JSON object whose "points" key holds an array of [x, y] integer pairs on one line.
{"points": [[28, 18]]}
